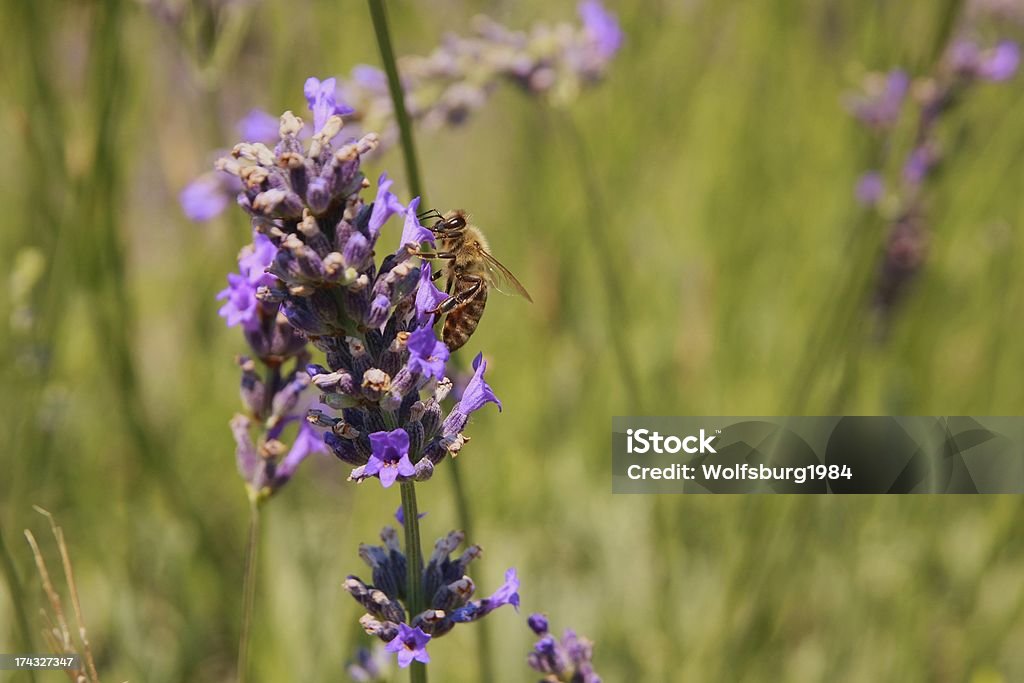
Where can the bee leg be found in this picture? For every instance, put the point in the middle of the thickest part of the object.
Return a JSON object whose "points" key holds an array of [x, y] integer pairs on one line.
{"points": [[430, 213], [435, 276], [433, 254], [463, 297]]}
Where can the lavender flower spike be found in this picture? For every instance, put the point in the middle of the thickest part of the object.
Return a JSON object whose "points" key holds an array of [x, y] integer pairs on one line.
{"points": [[567, 660], [448, 589]]}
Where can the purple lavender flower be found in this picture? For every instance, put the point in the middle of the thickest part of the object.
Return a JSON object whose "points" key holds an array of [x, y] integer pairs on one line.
{"points": [[390, 456], [427, 354], [410, 644], [310, 274], [322, 100], [508, 594], [385, 205], [445, 582], [241, 306], [567, 660], [964, 64], [477, 393], [412, 232]]}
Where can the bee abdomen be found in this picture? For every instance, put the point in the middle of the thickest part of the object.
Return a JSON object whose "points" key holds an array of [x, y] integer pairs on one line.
{"points": [[462, 321]]}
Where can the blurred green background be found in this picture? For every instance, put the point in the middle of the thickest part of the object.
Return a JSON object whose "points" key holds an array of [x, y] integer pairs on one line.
{"points": [[718, 195]]}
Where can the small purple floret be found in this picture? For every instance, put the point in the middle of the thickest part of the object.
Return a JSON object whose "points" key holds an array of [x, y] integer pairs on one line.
{"points": [[427, 355], [410, 644], [477, 392], [390, 456]]}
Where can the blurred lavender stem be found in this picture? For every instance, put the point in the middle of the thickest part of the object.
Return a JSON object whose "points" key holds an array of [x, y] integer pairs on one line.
{"points": [[252, 553], [601, 248]]}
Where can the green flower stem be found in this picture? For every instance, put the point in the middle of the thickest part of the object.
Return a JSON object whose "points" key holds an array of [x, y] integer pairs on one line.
{"points": [[412, 171], [414, 567], [387, 56], [252, 554]]}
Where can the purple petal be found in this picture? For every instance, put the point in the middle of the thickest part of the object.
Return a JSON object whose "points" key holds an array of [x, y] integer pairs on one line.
{"points": [[478, 392], [405, 466], [412, 232], [373, 466], [428, 296], [388, 475], [385, 205]]}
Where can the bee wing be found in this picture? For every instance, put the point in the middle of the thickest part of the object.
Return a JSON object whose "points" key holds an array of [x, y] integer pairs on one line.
{"points": [[502, 279]]}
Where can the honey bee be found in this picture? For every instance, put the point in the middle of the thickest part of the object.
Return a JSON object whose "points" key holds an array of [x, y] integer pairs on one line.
{"points": [[471, 271]]}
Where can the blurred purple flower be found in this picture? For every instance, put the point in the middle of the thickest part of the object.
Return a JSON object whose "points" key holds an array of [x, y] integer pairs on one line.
{"points": [[880, 103], [568, 659], [410, 644], [390, 457], [919, 163], [602, 26], [241, 306], [258, 126], [538, 623], [870, 188], [1001, 63], [205, 197], [307, 441], [370, 78]]}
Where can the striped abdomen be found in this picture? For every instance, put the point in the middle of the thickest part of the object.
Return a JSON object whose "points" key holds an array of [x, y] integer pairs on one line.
{"points": [[463, 319]]}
